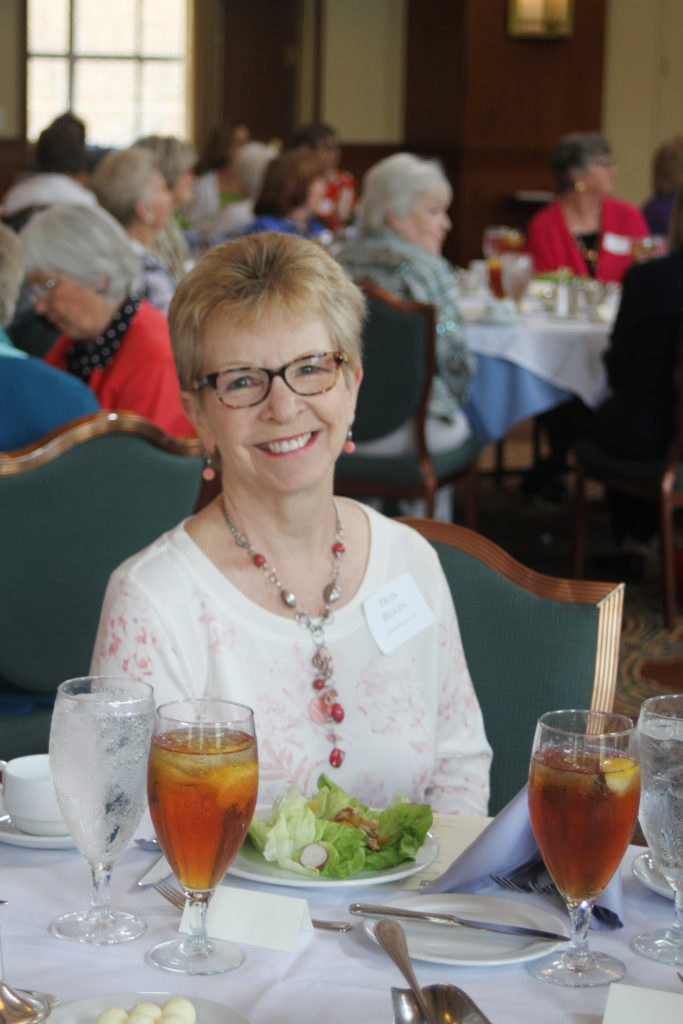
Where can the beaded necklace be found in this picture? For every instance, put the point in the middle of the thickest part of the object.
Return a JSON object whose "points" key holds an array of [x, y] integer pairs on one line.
{"points": [[324, 708]]}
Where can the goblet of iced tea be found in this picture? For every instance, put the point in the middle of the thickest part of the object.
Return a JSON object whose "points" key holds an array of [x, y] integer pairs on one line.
{"points": [[495, 274], [584, 790], [201, 784]]}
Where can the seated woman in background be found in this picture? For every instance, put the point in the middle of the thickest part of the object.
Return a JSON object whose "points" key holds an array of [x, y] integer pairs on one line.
{"points": [[34, 398], [217, 185], [250, 165], [266, 333], [339, 199], [638, 420], [177, 161], [130, 186], [402, 223], [289, 197], [87, 280], [667, 177], [584, 229]]}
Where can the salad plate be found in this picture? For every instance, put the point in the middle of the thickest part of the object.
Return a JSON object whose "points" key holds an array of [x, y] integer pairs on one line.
{"points": [[645, 871], [251, 866], [443, 944], [86, 1011]]}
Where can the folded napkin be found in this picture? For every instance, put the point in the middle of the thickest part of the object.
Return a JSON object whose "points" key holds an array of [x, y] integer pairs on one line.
{"points": [[502, 848]]}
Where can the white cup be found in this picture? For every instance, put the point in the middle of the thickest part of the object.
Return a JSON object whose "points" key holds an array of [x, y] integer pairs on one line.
{"points": [[29, 797]]}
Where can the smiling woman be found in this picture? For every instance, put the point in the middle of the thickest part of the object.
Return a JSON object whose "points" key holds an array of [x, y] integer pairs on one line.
{"points": [[266, 335]]}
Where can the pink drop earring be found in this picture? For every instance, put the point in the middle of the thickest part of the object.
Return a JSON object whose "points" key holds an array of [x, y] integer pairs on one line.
{"points": [[349, 446], [209, 473]]}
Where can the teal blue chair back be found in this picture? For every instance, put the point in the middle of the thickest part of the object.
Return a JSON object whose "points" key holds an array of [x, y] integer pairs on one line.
{"points": [[533, 643], [398, 369], [73, 508]]}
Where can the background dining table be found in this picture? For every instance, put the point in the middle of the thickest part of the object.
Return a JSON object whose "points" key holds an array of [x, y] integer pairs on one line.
{"points": [[530, 362], [329, 976]]}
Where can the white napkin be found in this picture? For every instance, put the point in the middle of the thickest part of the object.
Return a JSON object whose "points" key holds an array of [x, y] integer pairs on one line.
{"points": [[506, 844]]}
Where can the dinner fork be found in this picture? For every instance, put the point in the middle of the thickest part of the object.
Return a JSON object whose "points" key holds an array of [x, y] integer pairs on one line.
{"points": [[177, 898]]}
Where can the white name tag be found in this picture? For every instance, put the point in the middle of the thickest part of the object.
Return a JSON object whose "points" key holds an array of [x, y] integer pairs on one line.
{"points": [[396, 613], [618, 245]]}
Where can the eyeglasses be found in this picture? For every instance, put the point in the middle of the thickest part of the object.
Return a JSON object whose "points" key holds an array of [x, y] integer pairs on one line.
{"points": [[41, 289], [243, 386]]}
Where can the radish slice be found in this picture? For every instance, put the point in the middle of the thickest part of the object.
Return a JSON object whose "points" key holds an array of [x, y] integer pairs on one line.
{"points": [[314, 855]]}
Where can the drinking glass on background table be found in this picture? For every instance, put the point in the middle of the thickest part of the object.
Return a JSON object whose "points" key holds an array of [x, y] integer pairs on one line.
{"points": [[202, 785], [499, 238], [660, 741], [99, 745], [584, 788], [495, 276], [517, 272]]}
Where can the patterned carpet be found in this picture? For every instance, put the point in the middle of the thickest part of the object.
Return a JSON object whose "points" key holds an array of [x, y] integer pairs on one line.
{"points": [[539, 535]]}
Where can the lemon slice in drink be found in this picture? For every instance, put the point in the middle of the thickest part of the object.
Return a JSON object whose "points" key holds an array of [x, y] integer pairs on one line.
{"points": [[619, 772]]}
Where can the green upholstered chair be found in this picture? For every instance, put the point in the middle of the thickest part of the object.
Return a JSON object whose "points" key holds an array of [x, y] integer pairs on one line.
{"points": [[72, 507], [533, 643], [398, 367], [657, 480]]}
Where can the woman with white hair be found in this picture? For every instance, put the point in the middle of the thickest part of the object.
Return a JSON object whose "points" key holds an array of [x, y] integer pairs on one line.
{"points": [[87, 280], [402, 222], [249, 168], [34, 398], [130, 186], [177, 160]]}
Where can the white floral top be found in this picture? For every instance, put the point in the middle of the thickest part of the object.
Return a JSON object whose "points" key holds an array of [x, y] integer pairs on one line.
{"points": [[412, 721]]}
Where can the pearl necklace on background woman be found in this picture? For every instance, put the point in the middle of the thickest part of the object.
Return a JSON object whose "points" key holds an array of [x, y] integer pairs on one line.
{"points": [[324, 708]]}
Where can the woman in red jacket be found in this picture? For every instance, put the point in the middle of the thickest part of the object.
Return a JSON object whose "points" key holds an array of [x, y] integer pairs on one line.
{"points": [[584, 229], [86, 279]]}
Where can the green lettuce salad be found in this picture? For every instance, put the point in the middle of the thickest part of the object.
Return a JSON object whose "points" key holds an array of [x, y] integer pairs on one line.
{"points": [[332, 835]]}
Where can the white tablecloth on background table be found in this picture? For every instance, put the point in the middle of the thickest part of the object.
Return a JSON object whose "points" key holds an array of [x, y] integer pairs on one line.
{"points": [[531, 365], [332, 977]]}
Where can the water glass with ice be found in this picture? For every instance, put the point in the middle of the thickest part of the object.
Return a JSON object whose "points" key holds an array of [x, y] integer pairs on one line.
{"points": [[660, 741], [99, 746]]}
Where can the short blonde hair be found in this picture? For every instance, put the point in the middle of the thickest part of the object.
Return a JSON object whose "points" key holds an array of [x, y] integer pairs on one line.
{"points": [[11, 273], [123, 179], [175, 156], [243, 283]]}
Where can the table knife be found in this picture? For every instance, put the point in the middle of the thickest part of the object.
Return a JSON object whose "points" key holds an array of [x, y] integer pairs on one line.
{"points": [[370, 910], [160, 869]]}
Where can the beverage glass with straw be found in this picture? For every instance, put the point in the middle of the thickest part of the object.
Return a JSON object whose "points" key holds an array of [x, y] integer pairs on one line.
{"points": [[584, 788], [660, 741], [99, 745], [202, 786]]}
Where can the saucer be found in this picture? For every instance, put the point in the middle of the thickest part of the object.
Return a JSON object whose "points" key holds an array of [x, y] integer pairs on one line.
{"points": [[9, 833]]}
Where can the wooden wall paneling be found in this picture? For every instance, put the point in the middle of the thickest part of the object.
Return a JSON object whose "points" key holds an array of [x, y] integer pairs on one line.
{"points": [[13, 160], [261, 50], [491, 106]]}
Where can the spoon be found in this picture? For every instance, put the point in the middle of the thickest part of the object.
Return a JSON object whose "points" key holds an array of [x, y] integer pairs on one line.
{"points": [[16, 1008], [392, 939]]}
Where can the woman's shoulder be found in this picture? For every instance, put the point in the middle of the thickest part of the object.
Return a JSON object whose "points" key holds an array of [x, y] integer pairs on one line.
{"points": [[624, 213]]}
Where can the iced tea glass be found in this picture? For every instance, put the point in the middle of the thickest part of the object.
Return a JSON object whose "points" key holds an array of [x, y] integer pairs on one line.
{"points": [[660, 742], [584, 789], [201, 785]]}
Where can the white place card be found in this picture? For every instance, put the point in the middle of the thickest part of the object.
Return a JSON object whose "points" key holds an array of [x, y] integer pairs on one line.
{"points": [[629, 1004], [257, 918], [396, 613]]}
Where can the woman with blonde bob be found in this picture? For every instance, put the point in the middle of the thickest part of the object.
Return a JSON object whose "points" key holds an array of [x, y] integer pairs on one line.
{"points": [[130, 186], [266, 335]]}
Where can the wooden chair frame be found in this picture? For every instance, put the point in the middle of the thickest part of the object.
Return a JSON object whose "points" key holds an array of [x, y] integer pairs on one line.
{"points": [[607, 597], [98, 424], [431, 482], [661, 492]]}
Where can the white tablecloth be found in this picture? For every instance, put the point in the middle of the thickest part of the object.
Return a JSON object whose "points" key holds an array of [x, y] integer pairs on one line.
{"points": [[337, 978], [565, 352]]}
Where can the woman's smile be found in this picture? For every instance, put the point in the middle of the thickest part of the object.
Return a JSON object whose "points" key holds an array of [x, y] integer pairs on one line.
{"points": [[287, 445]]}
